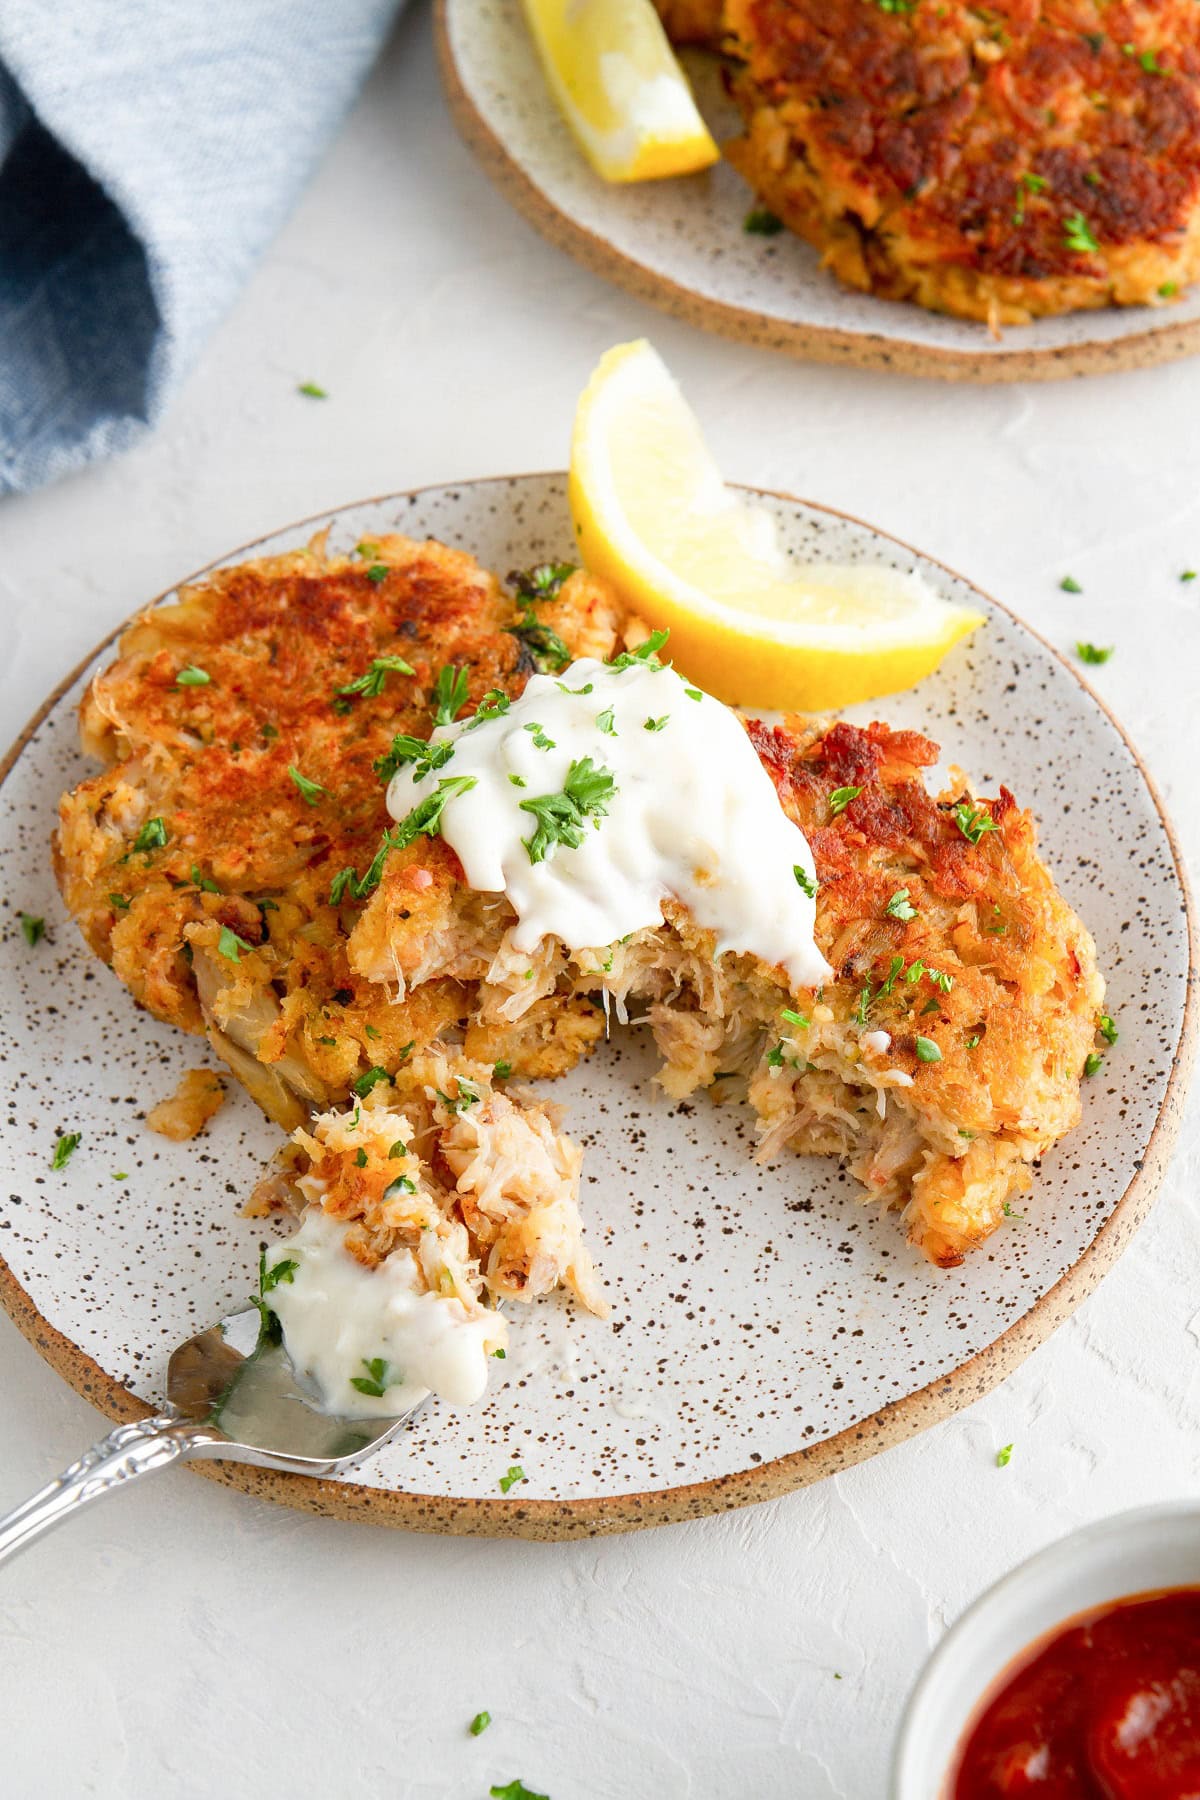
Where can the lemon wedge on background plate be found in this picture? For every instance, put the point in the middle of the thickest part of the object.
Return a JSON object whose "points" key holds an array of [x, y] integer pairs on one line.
{"points": [[749, 623], [623, 94]]}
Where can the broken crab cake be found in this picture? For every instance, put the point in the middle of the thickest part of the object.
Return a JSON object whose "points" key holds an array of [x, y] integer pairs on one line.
{"points": [[236, 863]]}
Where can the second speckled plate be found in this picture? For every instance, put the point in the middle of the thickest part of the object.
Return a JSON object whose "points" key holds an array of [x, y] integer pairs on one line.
{"points": [[680, 244], [766, 1328]]}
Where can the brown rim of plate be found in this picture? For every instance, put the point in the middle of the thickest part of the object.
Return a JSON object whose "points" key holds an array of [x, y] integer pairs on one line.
{"points": [[556, 1520], [1162, 343]]}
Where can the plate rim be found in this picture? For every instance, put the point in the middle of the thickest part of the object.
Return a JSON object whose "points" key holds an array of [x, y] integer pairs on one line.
{"points": [[558, 1520], [1163, 343]]}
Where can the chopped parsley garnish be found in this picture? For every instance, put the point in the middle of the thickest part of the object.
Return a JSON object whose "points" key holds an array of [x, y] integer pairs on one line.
{"points": [[32, 928], [656, 724], [502, 1070], [1069, 585], [283, 1270], [840, 799], [377, 1379], [1106, 1026], [518, 781], [371, 683], [401, 1185], [467, 1095], [795, 1018], [542, 642], [1004, 1457], [1006, 1208], [804, 881], [360, 1159], [202, 881], [192, 677], [120, 1175], [1167, 290], [516, 1473], [152, 836], [542, 582], [479, 1724], [450, 691], [230, 945], [900, 906], [760, 221], [372, 1078], [973, 821], [516, 1790], [1093, 1063], [1078, 234], [974, 1041], [376, 573], [1188, 575], [424, 819], [774, 1057], [1093, 653], [120, 901], [310, 790], [605, 721], [425, 756], [927, 1050], [540, 740], [646, 654], [64, 1149], [494, 705], [312, 390], [563, 688], [693, 693], [561, 817]]}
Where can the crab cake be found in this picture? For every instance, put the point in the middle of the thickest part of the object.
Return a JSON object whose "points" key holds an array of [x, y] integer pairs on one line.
{"points": [[236, 864], [998, 162]]}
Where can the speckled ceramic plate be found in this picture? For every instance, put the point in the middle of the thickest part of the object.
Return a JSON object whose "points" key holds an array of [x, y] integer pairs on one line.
{"points": [[680, 244], [766, 1328]]}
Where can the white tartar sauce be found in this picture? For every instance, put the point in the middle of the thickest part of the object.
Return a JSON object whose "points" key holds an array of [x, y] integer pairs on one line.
{"points": [[602, 791], [342, 1322]]}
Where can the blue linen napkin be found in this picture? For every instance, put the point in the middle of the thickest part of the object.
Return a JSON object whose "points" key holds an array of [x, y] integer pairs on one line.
{"points": [[149, 149]]}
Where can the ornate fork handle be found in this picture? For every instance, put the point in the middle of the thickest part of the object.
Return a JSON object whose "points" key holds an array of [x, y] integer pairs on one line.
{"points": [[125, 1454]]}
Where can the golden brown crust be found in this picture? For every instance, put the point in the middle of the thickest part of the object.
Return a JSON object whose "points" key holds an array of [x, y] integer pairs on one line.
{"points": [[955, 945], [999, 162]]}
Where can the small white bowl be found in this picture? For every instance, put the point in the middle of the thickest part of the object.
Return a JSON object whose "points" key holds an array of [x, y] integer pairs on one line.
{"points": [[1133, 1553]]}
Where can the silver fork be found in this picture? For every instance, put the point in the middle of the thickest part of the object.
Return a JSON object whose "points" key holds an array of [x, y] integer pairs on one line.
{"points": [[231, 1393]]}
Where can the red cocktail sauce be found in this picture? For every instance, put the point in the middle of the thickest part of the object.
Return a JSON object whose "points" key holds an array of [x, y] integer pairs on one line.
{"points": [[1105, 1708]]}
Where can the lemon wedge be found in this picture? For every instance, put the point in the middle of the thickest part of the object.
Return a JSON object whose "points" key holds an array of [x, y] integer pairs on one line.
{"points": [[653, 516], [625, 97]]}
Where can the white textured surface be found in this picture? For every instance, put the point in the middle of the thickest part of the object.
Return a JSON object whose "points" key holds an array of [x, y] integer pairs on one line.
{"points": [[175, 1642]]}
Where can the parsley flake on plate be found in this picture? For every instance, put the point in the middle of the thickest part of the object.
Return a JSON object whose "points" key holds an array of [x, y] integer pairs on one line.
{"points": [[64, 1149], [1069, 585], [515, 1474], [760, 221], [1093, 1063], [515, 1790], [32, 928], [1004, 1457], [1093, 653], [561, 818], [479, 1724], [311, 390]]}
